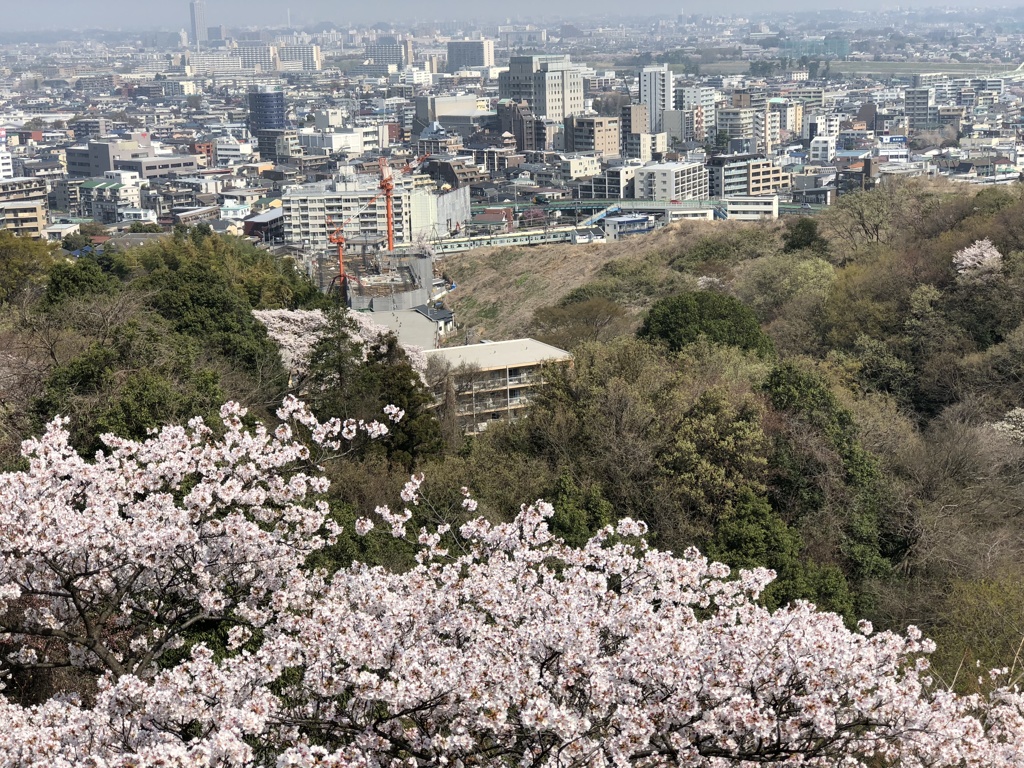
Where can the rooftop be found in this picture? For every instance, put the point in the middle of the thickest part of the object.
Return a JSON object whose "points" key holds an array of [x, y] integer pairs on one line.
{"points": [[490, 355]]}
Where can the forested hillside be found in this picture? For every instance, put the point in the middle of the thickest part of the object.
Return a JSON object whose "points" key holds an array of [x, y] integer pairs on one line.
{"points": [[829, 397], [838, 412]]}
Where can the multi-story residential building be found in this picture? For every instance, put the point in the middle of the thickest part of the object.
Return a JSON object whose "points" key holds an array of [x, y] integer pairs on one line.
{"points": [[23, 206], [750, 98], [682, 125], [435, 140], [267, 118], [820, 124], [388, 53], [577, 166], [736, 122], [591, 133], [211, 62], [22, 188], [6, 163], [767, 132], [258, 56], [656, 93], [24, 218], [739, 175], [645, 146], [492, 381], [791, 114], [633, 121], [552, 86], [354, 202], [617, 182], [106, 199], [822, 150], [87, 127], [463, 54], [228, 151], [671, 181], [307, 56], [65, 195]]}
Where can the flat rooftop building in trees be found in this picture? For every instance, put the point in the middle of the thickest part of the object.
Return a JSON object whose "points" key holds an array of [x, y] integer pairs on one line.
{"points": [[492, 380]]}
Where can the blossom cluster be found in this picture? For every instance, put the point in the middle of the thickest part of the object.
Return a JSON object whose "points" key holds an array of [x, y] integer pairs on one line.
{"points": [[297, 331], [517, 649], [979, 260]]}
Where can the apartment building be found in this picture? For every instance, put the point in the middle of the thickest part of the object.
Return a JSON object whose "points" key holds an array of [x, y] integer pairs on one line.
{"points": [[702, 97], [23, 218], [745, 175], [645, 146], [307, 57], [656, 93], [106, 199], [592, 133], [355, 204], [492, 381], [736, 122], [822, 150], [464, 54], [671, 181], [616, 182], [551, 85]]}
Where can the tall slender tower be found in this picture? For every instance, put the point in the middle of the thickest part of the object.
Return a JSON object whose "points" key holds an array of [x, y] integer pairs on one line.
{"points": [[657, 93], [199, 32]]}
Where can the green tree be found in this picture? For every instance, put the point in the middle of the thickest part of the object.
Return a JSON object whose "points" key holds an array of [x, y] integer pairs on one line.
{"points": [[24, 262], [350, 379], [569, 324], [801, 233], [684, 319]]}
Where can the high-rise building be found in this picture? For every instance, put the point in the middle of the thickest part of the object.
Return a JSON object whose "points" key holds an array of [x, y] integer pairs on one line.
{"points": [[307, 55], [266, 109], [387, 51], [551, 85], [258, 56], [200, 34], [920, 108], [470, 53], [656, 93]]}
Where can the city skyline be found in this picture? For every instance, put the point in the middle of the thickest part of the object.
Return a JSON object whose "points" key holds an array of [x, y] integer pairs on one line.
{"points": [[121, 14]]}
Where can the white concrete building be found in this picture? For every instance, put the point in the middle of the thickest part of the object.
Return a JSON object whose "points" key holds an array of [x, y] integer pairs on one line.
{"points": [[656, 93], [822, 150], [752, 208], [671, 181]]}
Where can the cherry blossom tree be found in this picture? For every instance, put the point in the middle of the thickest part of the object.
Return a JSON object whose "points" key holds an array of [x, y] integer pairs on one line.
{"points": [[503, 646], [106, 564], [979, 260]]}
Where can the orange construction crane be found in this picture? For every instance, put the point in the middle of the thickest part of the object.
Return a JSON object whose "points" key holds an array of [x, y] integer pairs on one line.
{"points": [[337, 237], [387, 187]]}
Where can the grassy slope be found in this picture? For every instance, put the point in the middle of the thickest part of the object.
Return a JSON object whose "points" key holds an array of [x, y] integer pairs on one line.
{"points": [[500, 288]]}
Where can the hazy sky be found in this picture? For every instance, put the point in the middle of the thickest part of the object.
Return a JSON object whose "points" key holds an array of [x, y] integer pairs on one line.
{"points": [[150, 14]]}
